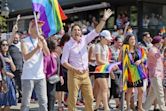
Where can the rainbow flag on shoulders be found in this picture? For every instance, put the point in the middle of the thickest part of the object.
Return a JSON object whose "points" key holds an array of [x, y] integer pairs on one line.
{"points": [[132, 73], [51, 13]]}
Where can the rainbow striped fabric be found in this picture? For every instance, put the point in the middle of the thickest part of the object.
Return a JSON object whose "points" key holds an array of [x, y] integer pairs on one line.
{"points": [[51, 13], [106, 68], [131, 72], [125, 63]]}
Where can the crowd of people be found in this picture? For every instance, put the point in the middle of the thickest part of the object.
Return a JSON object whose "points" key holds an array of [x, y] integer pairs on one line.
{"points": [[152, 21], [28, 65]]}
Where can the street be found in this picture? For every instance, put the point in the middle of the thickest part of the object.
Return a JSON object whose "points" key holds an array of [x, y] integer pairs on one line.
{"points": [[34, 106]]}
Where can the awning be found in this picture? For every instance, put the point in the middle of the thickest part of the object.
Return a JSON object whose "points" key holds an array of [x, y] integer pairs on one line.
{"points": [[87, 8], [72, 10]]}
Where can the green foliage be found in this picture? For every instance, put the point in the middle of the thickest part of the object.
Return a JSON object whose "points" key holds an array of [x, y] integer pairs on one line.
{"points": [[3, 25]]}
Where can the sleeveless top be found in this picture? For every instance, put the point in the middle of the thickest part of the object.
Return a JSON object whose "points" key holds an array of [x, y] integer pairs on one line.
{"points": [[33, 68], [103, 50]]}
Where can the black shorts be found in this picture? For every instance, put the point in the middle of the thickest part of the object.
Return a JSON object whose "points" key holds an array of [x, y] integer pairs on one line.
{"points": [[101, 75], [139, 84], [91, 69]]}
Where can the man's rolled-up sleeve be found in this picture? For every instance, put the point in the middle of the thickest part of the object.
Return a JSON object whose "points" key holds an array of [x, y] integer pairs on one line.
{"points": [[90, 36]]}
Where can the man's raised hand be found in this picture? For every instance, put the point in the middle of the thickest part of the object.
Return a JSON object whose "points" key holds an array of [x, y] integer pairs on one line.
{"points": [[107, 14]]}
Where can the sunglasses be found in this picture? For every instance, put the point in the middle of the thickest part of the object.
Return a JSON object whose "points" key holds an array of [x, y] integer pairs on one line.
{"points": [[5, 44]]}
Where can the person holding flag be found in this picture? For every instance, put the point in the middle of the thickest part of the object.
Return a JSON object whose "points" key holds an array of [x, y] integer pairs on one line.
{"points": [[49, 23], [101, 79], [33, 76], [133, 60]]}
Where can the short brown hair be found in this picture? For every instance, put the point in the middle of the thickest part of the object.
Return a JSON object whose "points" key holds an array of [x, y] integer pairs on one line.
{"points": [[74, 26]]}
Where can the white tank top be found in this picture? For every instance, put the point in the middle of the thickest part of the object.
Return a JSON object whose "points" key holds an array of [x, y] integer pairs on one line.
{"points": [[34, 67], [103, 51]]}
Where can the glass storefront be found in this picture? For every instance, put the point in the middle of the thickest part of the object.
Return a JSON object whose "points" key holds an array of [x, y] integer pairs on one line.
{"points": [[22, 24], [125, 14], [154, 18]]}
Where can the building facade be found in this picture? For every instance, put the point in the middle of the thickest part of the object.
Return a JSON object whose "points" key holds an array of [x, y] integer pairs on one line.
{"points": [[144, 15]]}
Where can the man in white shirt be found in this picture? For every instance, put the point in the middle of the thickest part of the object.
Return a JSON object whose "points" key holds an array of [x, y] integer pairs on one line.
{"points": [[33, 76]]}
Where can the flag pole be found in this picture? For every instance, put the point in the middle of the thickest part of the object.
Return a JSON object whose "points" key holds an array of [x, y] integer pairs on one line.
{"points": [[36, 19], [122, 98]]}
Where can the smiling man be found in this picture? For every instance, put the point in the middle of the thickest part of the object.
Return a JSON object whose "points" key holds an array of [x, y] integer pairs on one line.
{"points": [[75, 59]]}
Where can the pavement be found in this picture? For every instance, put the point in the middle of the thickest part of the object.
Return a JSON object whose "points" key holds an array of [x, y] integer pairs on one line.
{"points": [[34, 107]]}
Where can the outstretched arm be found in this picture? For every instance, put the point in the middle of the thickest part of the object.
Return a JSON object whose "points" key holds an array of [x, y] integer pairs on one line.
{"points": [[99, 27], [14, 30], [107, 14]]}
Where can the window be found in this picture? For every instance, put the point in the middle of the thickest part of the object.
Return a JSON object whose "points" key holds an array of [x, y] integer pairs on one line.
{"points": [[110, 22], [133, 16], [154, 18]]}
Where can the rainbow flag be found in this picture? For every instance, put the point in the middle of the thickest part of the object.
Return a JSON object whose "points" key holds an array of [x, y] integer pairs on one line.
{"points": [[51, 13], [125, 63], [131, 72], [106, 68]]}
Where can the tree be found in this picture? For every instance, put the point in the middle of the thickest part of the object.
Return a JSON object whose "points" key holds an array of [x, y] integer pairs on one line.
{"points": [[3, 25]]}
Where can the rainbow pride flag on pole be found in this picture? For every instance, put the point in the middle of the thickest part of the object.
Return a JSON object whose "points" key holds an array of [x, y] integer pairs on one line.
{"points": [[51, 13], [131, 72]]}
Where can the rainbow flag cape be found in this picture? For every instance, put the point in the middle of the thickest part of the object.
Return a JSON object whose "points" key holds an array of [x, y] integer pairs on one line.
{"points": [[131, 72], [51, 13], [106, 68]]}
